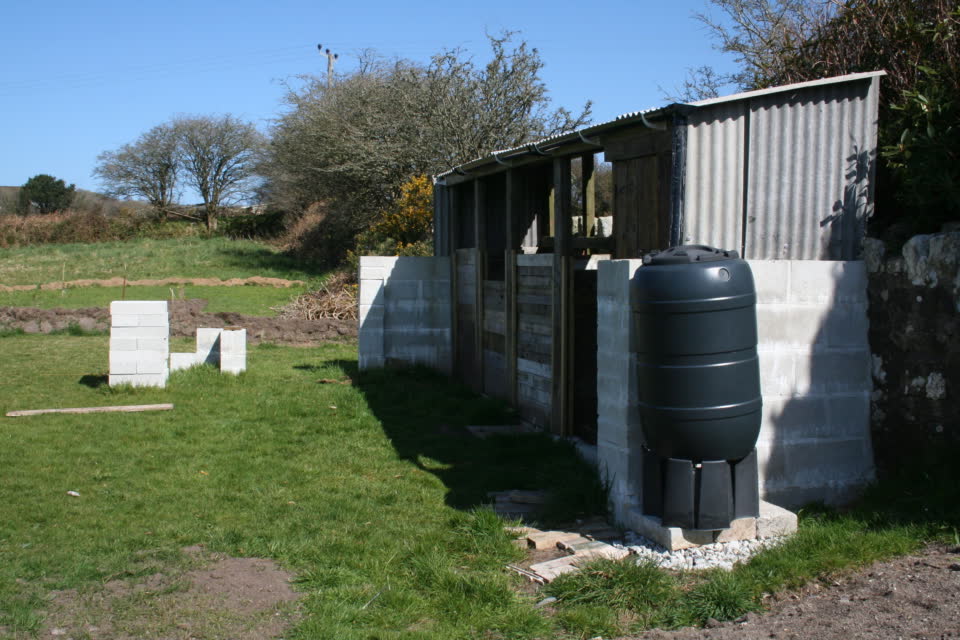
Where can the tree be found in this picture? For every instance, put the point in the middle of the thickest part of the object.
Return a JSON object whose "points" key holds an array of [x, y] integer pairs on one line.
{"points": [[147, 168], [353, 144], [218, 156], [45, 194]]}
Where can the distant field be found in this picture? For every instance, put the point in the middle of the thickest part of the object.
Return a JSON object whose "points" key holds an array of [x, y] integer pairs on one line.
{"points": [[250, 300], [194, 258]]}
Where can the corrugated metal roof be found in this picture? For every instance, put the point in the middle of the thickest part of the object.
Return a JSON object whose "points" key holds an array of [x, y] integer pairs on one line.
{"points": [[633, 117]]}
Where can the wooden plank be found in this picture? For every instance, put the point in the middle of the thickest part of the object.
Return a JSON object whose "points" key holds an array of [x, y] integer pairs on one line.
{"points": [[478, 316], [561, 237], [454, 311], [510, 313], [588, 180], [129, 408]]}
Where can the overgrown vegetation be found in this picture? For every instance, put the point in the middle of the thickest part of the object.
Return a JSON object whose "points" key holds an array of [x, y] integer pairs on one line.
{"points": [[917, 42], [342, 152]]}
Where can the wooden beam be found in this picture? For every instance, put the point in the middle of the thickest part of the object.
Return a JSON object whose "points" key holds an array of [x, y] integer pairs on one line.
{"points": [[514, 207], [588, 181], [510, 313], [480, 260], [130, 408], [560, 418]]}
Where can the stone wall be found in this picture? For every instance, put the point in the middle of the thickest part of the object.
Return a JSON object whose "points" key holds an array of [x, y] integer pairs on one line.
{"points": [[915, 340], [405, 312]]}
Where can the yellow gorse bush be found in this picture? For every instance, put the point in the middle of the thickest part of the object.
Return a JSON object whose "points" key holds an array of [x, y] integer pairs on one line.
{"points": [[411, 218]]}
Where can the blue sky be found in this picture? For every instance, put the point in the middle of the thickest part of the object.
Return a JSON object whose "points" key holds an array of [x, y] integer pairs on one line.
{"points": [[79, 78]]}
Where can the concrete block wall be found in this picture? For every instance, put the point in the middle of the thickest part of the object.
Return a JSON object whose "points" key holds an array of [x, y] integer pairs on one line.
{"points": [[139, 343], [405, 312], [618, 423], [815, 381]]}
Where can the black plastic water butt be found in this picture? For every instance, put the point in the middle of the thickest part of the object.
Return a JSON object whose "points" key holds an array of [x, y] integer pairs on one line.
{"points": [[698, 383], [698, 374]]}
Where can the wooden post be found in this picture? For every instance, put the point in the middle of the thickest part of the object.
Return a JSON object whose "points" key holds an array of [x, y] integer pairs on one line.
{"points": [[480, 234], [589, 182], [514, 195], [510, 313], [561, 306]]}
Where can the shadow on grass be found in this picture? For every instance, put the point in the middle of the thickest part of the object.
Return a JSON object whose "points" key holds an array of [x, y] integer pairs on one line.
{"points": [[425, 415], [263, 259], [94, 382]]}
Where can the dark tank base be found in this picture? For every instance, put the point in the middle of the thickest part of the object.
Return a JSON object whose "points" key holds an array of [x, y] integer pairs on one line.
{"points": [[706, 495]]}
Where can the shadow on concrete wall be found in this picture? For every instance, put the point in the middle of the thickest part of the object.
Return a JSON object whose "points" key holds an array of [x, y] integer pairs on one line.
{"points": [[815, 370], [425, 414]]}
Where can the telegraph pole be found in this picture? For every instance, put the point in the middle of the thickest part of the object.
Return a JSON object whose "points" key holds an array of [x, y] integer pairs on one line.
{"points": [[331, 57]]}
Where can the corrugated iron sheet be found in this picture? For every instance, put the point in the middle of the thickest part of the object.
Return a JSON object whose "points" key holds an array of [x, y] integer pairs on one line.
{"points": [[809, 171], [713, 187], [806, 159]]}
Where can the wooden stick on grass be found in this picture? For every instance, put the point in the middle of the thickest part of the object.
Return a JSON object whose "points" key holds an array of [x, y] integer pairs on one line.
{"points": [[130, 408]]}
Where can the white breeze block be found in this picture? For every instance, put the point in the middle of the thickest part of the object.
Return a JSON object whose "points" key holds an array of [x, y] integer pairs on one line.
{"points": [[233, 350], [184, 360], [139, 343], [225, 348]]}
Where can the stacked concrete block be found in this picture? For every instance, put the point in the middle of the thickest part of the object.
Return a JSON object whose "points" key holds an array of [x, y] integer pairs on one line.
{"points": [[223, 348], [405, 312], [619, 438], [139, 343], [233, 351], [815, 378]]}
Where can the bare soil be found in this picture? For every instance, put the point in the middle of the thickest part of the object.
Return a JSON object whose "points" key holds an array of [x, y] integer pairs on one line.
{"points": [[185, 317], [224, 597], [915, 596]]}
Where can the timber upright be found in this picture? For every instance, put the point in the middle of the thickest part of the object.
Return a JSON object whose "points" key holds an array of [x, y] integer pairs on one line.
{"points": [[698, 386]]}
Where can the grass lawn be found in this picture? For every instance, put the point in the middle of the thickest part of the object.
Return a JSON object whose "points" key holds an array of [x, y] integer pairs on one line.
{"points": [[184, 257], [359, 489], [248, 300]]}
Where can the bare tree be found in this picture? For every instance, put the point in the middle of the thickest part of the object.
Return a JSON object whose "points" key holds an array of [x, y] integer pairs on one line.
{"points": [[218, 156], [147, 168]]}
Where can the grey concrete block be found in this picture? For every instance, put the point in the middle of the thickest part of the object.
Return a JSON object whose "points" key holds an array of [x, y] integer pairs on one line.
{"points": [[371, 315], [777, 371], [775, 521], [834, 371], [400, 290], [233, 342], [828, 281], [208, 344], [152, 362], [123, 362], [123, 344], [371, 292], [371, 361], [136, 307], [849, 415], [433, 291], [180, 361], [370, 342], [153, 344], [772, 280], [124, 320], [825, 462], [846, 326], [373, 273], [673, 538], [794, 418], [139, 332], [154, 320], [385, 262], [234, 364]]}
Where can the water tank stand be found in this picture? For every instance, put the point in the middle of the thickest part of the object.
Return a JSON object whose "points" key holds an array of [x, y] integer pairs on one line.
{"points": [[705, 495]]}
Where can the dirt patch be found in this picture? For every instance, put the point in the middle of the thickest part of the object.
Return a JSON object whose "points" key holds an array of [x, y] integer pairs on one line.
{"points": [[915, 596], [185, 317], [119, 282], [224, 597]]}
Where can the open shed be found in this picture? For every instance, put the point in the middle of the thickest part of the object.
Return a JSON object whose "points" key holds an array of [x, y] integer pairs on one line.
{"points": [[530, 295], [783, 173]]}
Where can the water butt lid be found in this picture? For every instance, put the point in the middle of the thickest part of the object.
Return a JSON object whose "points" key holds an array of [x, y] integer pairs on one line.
{"points": [[689, 253]]}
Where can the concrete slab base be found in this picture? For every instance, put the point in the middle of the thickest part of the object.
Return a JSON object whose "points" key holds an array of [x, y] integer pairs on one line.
{"points": [[774, 521]]}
